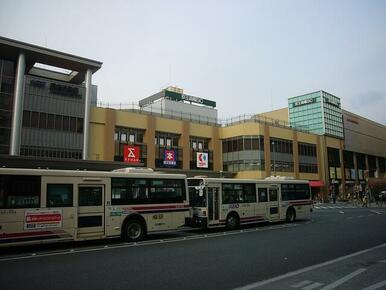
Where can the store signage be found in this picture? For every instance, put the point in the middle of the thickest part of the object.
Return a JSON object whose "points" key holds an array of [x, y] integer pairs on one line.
{"points": [[170, 157], [43, 219], [66, 91], [304, 102], [182, 97], [202, 160], [131, 154]]}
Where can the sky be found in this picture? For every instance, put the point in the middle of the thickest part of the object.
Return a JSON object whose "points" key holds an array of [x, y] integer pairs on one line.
{"points": [[248, 56]]}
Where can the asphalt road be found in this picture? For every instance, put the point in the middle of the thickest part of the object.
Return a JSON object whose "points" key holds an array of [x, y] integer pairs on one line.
{"points": [[278, 256]]}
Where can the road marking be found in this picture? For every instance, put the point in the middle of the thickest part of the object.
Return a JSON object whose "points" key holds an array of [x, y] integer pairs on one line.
{"points": [[350, 218], [301, 284], [307, 269], [343, 279], [377, 212], [147, 243], [341, 211], [313, 286], [376, 286], [383, 261]]}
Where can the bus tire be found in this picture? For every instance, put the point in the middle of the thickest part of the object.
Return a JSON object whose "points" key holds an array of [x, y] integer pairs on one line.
{"points": [[290, 216], [133, 230], [233, 221]]}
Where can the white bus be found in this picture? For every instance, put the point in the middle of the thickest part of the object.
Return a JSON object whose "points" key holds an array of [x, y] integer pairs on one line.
{"points": [[230, 202], [55, 205]]}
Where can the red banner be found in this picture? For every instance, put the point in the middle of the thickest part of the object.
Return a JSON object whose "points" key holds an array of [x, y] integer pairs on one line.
{"points": [[131, 154]]}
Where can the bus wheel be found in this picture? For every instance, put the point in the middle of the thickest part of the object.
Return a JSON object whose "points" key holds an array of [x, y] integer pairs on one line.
{"points": [[232, 221], [133, 231], [291, 215]]}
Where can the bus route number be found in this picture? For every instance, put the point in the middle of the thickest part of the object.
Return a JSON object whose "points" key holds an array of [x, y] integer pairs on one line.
{"points": [[158, 216]]}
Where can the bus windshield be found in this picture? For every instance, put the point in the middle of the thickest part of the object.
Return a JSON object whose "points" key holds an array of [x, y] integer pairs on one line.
{"points": [[195, 199]]}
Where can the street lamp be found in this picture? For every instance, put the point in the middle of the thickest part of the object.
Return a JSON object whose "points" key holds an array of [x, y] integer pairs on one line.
{"points": [[274, 158]]}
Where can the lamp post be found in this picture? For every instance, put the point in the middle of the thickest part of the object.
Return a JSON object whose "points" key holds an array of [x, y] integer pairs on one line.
{"points": [[274, 158]]}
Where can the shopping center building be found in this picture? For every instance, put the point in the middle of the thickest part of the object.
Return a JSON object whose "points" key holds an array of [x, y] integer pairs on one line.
{"points": [[49, 116]]}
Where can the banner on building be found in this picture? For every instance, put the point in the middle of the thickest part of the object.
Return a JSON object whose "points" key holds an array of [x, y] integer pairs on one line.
{"points": [[131, 154], [353, 175], [170, 157], [202, 160]]}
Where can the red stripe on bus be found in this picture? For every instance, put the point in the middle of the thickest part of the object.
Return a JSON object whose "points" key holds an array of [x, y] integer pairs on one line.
{"points": [[308, 202], [29, 234], [26, 234]]}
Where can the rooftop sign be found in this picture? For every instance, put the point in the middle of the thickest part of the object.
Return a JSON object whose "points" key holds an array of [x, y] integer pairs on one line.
{"points": [[182, 97], [304, 102]]}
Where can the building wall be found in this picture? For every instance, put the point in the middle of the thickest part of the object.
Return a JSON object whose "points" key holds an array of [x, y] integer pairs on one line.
{"points": [[361, 132], [280, 114]]}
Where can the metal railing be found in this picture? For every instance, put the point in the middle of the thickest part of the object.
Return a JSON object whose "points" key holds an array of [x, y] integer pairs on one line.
{"points": [[178, 115]]}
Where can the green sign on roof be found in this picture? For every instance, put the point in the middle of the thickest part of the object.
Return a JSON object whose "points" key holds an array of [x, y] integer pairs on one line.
{"points": [[182, 97]]}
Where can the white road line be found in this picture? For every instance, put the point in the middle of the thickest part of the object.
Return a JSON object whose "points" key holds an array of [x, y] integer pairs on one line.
{"points": [[343, 279], [376, 286], [301, 284], [383, 261], [307, 269], [313, 286], [374, 211]]}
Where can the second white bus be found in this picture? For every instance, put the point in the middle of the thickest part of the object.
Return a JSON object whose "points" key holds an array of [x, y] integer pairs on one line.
{"points": [[231, 202]]}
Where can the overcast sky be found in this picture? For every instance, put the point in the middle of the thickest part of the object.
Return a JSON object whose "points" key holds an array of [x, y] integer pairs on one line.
{"points": [[248, 56]]}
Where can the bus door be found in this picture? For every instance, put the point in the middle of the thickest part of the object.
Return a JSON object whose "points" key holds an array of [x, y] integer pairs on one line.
{"points": [[273, 203], [213, 205], [91, 211]]}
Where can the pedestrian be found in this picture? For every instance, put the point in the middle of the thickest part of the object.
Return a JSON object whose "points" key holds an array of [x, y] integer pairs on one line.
{"points": [[364, 200], [334, 197]]}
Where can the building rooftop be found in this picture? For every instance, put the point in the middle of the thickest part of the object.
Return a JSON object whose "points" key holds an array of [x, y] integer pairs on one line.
{"points": [[76, 65]]}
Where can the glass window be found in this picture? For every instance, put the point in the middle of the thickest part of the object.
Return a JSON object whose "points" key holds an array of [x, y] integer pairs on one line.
{"points": [[26, 119], [51, 121], [19, 191], [66, 123], [72, 124], [59, 195], [34, 119], [89, 196], [43, 121], [79, 125], [272, 194], [167, 190], [263, 195], [58, 122], [123, 137]]}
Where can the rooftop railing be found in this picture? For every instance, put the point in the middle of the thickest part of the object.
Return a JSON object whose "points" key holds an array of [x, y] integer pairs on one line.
{"points": [[178, 115]]}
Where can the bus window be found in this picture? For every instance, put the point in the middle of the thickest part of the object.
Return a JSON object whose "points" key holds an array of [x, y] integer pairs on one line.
{"points": [[263, 196], [90, 196], [59, 195], [167, 190], [19, 191], [272, 194]]}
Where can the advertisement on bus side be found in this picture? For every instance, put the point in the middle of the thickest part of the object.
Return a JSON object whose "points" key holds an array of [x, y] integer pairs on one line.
{"points": [[43, 219]]}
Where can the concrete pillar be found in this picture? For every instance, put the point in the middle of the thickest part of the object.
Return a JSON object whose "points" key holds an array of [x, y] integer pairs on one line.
{"points": [[216, 147], [185, 144], [295, 153], [356, 168], [343, 176], [18, 102], [109, 131], [149, 140], [267, 150], [87, 109]]}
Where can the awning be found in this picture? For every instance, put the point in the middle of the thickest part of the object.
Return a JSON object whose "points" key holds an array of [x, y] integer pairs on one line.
{"points": [[316, 183]]}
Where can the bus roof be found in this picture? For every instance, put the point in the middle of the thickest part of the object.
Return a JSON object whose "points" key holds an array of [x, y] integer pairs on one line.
{"points": [[84, 173], [234, 180]]}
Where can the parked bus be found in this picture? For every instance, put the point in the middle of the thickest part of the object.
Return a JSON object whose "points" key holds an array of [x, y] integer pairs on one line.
{"points": [[231, 202], [57, 205]]}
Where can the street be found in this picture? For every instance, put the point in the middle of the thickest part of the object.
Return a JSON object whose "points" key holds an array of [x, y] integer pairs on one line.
{"points": [[340, 247]]}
